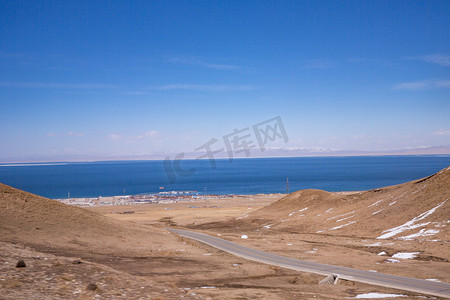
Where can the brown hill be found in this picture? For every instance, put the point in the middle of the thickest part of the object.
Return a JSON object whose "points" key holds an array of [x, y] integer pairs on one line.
{"points": [[49, 227], [417, 210], [48, 224]]}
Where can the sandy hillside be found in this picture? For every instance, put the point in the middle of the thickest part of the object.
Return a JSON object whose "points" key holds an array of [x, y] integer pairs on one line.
{"points": [[133, 259], [400, 230], [44, 223], [121, 260], [417, 210], [34, 228]]}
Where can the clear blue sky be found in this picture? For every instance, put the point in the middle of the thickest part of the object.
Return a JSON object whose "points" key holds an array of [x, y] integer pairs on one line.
{"points": [[99, 79]]}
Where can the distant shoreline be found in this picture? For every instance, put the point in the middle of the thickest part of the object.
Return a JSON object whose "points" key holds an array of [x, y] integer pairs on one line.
{"points": [[164, 199], [152, 199], [238, 177], [37, 162]]}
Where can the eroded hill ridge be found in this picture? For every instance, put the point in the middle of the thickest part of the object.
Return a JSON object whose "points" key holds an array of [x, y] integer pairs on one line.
{"points": [[47, 224], [417, 210]]}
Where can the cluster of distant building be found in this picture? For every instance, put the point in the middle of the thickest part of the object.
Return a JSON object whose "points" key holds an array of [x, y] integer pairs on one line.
{"points": [[157, 198]]}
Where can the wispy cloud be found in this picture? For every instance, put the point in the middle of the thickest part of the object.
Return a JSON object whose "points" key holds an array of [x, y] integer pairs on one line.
{"points": [[371, 62], [53, 85], [200, 63], [69, 133], [361, 137], [73, 133], [136, 93], [11, 55], [204, 87], [365, 60], [424, 84], [439, 59], [443, 60], [441, 132], [411, 85], [152, 90], [148, 135], [115, 136]]}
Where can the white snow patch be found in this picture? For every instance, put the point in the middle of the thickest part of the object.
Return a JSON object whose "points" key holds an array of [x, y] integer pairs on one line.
{"points": [[312, 251], [244, 236], [394, 231], [289, 244], [320, 231], [410, 224], [373, 271], [341, 215], [377, 296], [398, 197], [207, 254], [268, 226], [422, 232], [392, 203], [345, 218], [329, 210], [242, 217], [377, 211], [337, 227], [441, 224], [374, 244], [382, 253], [405, 255], [432, 279], [300, 210], [376, 203], [391, 260]]}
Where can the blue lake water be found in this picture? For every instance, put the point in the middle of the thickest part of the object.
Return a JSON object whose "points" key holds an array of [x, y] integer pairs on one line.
{"points": [[241, 176]]}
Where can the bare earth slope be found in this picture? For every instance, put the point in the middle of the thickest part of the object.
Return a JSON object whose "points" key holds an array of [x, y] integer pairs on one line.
{"points": [[400, 230], [130, 260], [417, 210], [40, 222], [125, 260], [33, 227]]}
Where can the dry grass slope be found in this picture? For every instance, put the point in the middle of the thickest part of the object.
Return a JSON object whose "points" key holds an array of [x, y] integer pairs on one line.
{"points": [[33, 228], [416, 210], [47, 224]]}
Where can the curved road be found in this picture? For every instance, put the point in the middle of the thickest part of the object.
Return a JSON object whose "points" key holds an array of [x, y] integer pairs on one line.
{"points": [[440, 289]]}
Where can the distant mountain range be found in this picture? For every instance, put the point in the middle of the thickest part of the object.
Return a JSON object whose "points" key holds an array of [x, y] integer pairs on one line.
{"points": [[254, 153], [319, 151]]}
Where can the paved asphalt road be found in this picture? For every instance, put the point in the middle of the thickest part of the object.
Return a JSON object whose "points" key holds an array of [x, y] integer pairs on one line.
{"points": [[404, 283]]}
